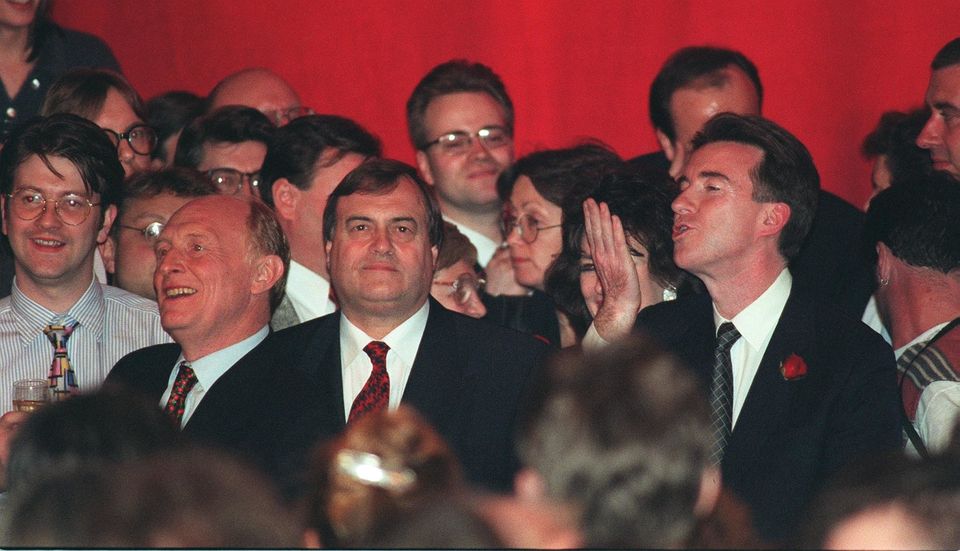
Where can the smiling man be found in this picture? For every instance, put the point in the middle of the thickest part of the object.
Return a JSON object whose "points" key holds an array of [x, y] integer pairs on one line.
{"points": [[941, 134], [390, 343], [59, 177], [224, 381]]}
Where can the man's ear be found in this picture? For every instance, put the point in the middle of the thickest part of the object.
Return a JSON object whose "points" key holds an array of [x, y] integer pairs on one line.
{"points": [[666, 144], [326, 253], [775, 217], [269, 270], [108, 251], [885, 262], [423, 164], [109, 215], [3, 212], [285, 198]]}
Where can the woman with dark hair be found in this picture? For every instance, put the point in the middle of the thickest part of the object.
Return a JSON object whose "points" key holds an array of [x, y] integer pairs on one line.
{"points": [[532, 191], [34, 52], [628, 213]]}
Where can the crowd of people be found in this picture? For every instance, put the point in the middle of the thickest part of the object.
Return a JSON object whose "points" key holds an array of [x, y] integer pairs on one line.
{"points": [[256, 331]]}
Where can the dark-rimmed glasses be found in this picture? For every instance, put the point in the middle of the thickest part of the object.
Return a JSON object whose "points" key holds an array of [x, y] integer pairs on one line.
{"points": [[527, 226], [29, 204], [458, 143], [464, 287], [229, 181], [150, 232], [141, 137]]}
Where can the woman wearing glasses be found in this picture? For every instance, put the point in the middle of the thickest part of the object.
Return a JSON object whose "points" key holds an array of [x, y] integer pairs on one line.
{"points": [[533, 190]]}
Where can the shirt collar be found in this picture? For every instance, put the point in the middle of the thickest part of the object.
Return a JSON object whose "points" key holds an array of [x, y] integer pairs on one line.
{"points": [[485, 246], [757, 321], [306, 286], [404, 340], [922, 337], [31, 317], [212, 366]]}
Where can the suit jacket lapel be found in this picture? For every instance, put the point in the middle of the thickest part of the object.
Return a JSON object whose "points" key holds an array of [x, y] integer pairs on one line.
{"points": [[320, 358]]}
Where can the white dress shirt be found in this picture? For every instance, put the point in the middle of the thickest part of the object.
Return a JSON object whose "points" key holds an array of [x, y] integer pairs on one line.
{"points": [[308, 292], [486, 247], [356, 366], [755, 323], [210, 368], [938, 407]]}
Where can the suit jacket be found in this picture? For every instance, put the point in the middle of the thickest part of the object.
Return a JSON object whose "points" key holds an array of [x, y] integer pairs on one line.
{"points": [[791, 435], [260, 409], [833, 261], [467, 380], [284, 316]]}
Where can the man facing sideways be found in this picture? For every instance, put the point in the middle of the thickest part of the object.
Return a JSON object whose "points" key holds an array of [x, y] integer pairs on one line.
{"points": [[941, 134], [261, 89], [305, 161], [220, 270], [391, 343], [460, 120], [797, 389], [228, 145], [59, 176], [146, 201]]}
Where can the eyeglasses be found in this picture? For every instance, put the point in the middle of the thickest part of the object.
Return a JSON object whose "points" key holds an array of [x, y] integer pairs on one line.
{"points": [[464, 287], [458, 143], [142, 138], [150, 232], [527, 226], [229, 181], [30, 204], [281, 117]]}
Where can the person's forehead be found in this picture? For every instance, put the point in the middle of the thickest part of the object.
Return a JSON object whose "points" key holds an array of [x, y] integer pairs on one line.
{"points": [[243, 156], [116, 113], [262, 91], [466, 111], [405, 199], [34, 173], [733, 159], [221, 214], [945, 86], [692, 105], [162, 205]]}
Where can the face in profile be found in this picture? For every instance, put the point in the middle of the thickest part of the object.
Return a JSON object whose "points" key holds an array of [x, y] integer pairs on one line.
{"points": [[941, 134], [534, 234]]}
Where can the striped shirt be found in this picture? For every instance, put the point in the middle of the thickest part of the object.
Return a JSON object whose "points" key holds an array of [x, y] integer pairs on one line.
{"points": [[111, 324]]}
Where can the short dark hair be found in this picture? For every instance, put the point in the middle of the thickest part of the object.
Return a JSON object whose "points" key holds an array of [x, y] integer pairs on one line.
{"points": [[379, 177], [556, 173], [179, 181], [684, 67], [458, 75], [296, 147], [895, 137], [169, 113], [267, 238], [623, 435], [918, 222], [73, 138], [785, 173], [228, 124], [83, 91], [947, 56]]}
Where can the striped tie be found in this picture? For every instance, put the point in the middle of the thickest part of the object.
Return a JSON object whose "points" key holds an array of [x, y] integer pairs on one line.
{"points": [[721, 390]]}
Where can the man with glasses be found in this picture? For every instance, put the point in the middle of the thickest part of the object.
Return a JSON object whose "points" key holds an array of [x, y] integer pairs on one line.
{"points": [[145, 203], [305, 161], [228, 145], [261, 89], [390, 343], [460, 120], [59, 176]]}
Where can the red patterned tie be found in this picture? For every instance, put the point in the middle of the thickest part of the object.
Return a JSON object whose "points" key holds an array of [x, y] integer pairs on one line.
{"points": [[186, 378], [375, 394]]}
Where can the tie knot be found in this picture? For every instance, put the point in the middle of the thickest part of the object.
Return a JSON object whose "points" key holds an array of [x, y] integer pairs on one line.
{"points": [[186, 373], [60, 326], [377, 351], [727, 334]]}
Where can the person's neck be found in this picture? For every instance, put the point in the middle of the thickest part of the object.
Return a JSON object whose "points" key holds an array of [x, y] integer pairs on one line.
{"points": [[315, 261], [737, 288], [196, 346], [919, 304], [486, 223], [13, 44], [57, 298], [376, 323]]}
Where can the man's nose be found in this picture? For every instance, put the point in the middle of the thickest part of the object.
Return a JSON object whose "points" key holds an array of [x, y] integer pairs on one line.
{"points": [[930, 133]]}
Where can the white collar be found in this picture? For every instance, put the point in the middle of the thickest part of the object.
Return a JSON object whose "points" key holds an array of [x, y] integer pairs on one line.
{"points": [[403, 340], [212, 366], [485, 246], [308, 291], [757, 321], [922, 337]]}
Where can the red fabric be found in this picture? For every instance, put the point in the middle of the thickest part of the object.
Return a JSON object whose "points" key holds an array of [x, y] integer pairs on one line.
{"points": [[574, 68], [375, 394]]}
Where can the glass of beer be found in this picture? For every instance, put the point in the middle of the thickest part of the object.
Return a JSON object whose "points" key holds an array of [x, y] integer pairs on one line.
{"points": [[30, 394]]}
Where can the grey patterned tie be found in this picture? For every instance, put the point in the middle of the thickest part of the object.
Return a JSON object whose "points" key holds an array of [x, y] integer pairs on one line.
{"points": [[721, 390]]}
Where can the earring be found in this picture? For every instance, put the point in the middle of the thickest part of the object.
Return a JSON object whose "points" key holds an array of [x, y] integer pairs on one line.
{"points": [[884, 282], [670, 293]]}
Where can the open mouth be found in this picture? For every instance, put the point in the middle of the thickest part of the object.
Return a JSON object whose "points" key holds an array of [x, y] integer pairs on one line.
{"points": [[174, 292], [48, 242]]}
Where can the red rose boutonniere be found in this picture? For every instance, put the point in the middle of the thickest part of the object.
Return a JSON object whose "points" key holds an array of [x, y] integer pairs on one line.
{"points": [[793, 368]]}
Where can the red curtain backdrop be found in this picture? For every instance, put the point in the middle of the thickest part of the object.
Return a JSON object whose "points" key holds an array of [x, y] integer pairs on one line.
{"points": [[574, 68]]}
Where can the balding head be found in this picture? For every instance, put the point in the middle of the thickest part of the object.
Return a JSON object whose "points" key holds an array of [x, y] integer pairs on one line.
{"points": [[259, 88]]}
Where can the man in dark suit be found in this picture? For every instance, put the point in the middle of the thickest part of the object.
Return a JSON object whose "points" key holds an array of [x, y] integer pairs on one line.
{"points": [[390, 342], [698, 82], [220, 269], [801, 388]]}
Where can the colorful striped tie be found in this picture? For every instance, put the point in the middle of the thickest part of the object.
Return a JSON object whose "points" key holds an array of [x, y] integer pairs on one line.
{"points": [[63, 381]]}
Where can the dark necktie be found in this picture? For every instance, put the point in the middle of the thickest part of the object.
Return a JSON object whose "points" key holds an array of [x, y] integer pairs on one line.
{"points": [[375, 394], [186, 378], [63, 382], [721, 390]]}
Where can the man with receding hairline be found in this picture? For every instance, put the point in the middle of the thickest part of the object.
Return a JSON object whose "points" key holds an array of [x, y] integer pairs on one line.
{"points": [[261, 89]]}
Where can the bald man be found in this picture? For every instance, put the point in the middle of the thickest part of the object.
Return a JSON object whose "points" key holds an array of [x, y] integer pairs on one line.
{"points": [[261, 89]]}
